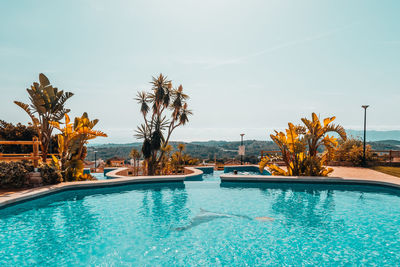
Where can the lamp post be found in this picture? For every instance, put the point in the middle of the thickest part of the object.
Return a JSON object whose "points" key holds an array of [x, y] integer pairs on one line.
{"points": [[365, 133], [241, 144], [95, 161]]}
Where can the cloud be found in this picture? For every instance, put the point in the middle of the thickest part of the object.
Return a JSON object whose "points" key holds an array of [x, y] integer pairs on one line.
{"points": [[211, 63]]}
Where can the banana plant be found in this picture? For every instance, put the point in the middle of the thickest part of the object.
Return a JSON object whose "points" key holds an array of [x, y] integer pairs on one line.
{"points": [[47, 105], [317, 134], [71, 141], [299, 147]]}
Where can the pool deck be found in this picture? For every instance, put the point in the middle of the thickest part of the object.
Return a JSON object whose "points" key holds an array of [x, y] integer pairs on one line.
{"points": [[341, 175], [14, 196]]}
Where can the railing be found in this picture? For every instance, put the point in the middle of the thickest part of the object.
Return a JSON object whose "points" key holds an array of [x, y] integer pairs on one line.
{"points": [[391, 154], [35, 156]]}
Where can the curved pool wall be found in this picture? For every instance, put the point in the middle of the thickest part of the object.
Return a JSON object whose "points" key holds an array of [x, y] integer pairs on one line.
{"points": [[205, 169], [244, 168], [107, 170], [381, 182], [118, 178]]}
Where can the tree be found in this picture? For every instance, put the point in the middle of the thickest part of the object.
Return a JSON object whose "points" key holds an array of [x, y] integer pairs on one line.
{"points": [[299, 147], [71, 145], [135, 155], [157, 129], [47, 105]]}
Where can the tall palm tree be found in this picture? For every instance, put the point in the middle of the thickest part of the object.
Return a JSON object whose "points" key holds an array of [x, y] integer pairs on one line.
{"points": [[157, 128], [47, 104]]}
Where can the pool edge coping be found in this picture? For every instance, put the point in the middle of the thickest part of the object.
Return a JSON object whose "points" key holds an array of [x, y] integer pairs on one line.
{"points": [[117, 180], [394, 183]]}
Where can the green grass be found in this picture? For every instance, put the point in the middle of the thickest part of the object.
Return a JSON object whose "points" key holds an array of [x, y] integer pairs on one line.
{"points": [[395, 171]]}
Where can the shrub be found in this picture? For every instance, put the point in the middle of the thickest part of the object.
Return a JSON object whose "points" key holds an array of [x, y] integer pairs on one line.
{"points": [[85, 177], [351, 151], [14, 174], [50, 174]]}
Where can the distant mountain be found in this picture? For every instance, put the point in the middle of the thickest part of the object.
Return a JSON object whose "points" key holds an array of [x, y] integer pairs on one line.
{"points": [[210, 149], [385, 145], [204, 150], [375, 135]]}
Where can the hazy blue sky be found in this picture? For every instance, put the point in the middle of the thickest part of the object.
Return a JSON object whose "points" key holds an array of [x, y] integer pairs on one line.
{"points": [[249, 66]]}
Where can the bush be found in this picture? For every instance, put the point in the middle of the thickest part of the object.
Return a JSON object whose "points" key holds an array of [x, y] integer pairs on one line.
{"points": [[85, 177], [14, 174], [50, 175], [351, 151]]}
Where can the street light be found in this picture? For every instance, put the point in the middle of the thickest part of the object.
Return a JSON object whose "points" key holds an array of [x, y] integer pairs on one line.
{"points": [[95, 161], [365, 133], [241, 144]]}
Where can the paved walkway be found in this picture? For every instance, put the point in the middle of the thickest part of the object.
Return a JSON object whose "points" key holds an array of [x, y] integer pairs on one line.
{"points": [[364, 173]]}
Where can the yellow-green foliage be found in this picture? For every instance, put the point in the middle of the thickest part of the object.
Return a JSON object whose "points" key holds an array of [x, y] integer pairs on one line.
{"points": [[175, 163], [299, 147], [352, 151], [71, 146]]}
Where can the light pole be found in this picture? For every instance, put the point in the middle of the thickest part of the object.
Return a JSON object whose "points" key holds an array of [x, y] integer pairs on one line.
{"points": [[95, 161], [365, 133], [241, 144]]}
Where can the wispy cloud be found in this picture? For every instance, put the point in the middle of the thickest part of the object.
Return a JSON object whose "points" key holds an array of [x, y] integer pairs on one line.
{"points": [[211, 63]]}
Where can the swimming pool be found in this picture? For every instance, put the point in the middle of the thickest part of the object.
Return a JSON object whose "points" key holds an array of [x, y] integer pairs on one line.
{"points": [[205, 223], [99, 175]]}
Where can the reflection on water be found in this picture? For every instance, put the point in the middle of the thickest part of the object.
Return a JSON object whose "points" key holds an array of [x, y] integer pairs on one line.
{"points": [[308, 207], [164, 208]]}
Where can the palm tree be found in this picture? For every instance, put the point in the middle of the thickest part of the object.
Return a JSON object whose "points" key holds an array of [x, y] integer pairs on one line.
{"points": [[157, 128], [47, 104], [317, 134], [135, 155]]}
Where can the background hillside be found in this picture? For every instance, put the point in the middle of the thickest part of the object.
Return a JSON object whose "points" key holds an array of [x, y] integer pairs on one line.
{"points": [[210, 149]]}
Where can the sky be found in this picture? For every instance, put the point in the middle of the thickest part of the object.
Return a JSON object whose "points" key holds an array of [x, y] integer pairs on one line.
{"points": [[248, 66]]}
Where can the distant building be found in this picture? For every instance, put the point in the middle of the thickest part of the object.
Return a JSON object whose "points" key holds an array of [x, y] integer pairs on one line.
{"points": [[116, 162], [91, 164]]}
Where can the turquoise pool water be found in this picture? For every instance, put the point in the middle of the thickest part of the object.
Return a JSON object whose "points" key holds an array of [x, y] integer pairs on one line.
{"points": [[99, 176], [205, 223]]}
